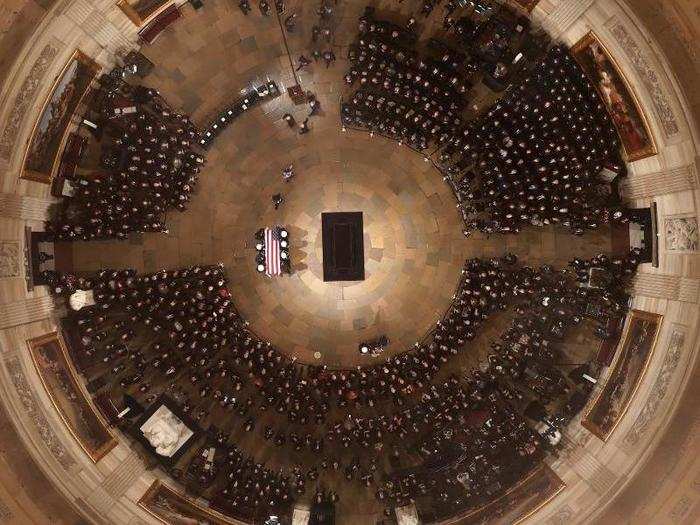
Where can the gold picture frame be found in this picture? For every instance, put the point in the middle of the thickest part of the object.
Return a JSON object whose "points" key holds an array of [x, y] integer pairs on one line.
{"points": [[526, 497], [603, 417], [58, 377], [167, 505], [618, 96], [526, 5], [141, 18], [42, 167]]}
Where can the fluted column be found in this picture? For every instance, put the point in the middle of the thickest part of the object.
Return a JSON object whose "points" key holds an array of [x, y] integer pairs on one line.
{"points": [[21, 207], [671, 287], [25, 311], [564, 15], [595, 474], [124, 476], [95, 23], [639, 186]]}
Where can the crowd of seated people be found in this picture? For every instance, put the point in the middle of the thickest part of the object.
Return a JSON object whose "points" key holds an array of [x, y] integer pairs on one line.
{"points": [[535, 157], [177, 333], [400, 94], [149, 165], [469, 464], [489, 446]]}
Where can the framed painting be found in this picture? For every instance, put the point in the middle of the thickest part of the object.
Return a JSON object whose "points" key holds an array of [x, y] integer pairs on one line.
{"points": [[520, 502], [140, 11], [50, 132], [50, 358], [617, 95], [173, 508], [628, 369]]}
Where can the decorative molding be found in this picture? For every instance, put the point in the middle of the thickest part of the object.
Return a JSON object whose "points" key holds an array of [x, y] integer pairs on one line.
{"points": [[25, 97], [639, 186], [31, 409], [9, 259], [648, 76], [25, 311], [21, 207], [674, 352]]}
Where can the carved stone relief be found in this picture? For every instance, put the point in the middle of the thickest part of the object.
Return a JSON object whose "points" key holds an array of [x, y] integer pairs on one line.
{"points": [[648, 76], [562, 516], [9, 259], [26, 96], [681, 234], [660, 387], [32, 410]]}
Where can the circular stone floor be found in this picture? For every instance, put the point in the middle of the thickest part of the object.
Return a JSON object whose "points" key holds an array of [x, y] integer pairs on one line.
{"points": [[414, 248], [410, 224]]}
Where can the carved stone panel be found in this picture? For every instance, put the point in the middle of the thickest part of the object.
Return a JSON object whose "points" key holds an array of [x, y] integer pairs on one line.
{"points": [[681, 234], [649, 77], [34, 413], [9, 259], [563, 516], [658, 391]]}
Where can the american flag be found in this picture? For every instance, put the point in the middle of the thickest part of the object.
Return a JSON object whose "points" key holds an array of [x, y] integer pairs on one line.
{"points": [[273, 265]]}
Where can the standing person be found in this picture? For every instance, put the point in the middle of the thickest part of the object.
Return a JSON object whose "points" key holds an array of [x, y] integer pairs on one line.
{"points": [[303, 62], [329, 57], [244, 6], [290, 23], [315, 106], [288, 173], [289, 119], [304, 128]]}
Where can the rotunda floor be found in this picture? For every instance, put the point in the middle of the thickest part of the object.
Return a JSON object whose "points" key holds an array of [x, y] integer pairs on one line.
{"points": [[414, 248]]}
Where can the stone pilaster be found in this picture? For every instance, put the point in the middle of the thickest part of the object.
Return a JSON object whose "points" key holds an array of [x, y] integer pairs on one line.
{"points": [[639, 186], [21, 207], [124, 476], [25, 311], [564, 15], [671, 287], [96, 24], [598, 476]]}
